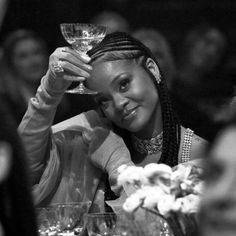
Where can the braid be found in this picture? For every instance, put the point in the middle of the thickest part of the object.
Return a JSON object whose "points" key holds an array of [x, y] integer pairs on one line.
{"points": [[171, 128], [118, 46]]}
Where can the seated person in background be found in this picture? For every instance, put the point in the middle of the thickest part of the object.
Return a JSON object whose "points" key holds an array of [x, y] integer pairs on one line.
{"points": [[134, 123], [218, 207], [23, 63], [161, 49], [202, 86]]}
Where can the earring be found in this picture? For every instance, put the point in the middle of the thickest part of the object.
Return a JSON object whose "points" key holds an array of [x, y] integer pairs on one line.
{"points": [[158, 79]]}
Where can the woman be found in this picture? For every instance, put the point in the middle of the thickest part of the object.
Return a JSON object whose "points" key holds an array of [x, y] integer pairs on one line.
{"points": [[133, 103]]}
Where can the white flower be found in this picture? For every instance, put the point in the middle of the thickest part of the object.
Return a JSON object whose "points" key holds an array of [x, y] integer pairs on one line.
{"points": [[153, 194], [161, 188], [165, 204], [198, 188], [132, 175], [189, 203], [158, 174], [121, 168], [133, 202], [181, 172], [152, 170]]}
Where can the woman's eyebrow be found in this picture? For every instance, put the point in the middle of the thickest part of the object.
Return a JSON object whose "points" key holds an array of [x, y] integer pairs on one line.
{"points": [[120, 76]]}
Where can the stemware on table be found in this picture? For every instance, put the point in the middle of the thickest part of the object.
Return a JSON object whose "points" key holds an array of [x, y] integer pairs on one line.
{"points": [[62, 219], [71, 217], [47, 220]]}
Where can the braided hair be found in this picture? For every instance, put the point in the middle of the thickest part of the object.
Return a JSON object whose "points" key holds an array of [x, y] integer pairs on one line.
{"points": [[121, 46]]}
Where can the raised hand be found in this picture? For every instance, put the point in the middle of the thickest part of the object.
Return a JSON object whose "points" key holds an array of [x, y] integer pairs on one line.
{"points": [[66, 66]]}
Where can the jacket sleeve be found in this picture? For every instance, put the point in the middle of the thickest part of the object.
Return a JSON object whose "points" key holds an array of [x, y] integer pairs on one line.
{"points": [[35, 128]]}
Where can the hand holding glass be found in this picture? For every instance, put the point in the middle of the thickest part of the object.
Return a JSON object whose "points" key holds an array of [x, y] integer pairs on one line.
{"points": [[82, 37]]}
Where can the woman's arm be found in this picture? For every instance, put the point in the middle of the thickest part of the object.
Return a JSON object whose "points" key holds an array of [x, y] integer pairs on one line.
{"points": [[35, 127]]}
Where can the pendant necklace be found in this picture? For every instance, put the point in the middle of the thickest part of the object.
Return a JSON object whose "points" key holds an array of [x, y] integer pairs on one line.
{"points": [[148, 146]]}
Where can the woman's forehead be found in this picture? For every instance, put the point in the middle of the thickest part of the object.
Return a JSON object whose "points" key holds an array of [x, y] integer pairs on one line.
{"points": [[113, 66], [107, 71]]}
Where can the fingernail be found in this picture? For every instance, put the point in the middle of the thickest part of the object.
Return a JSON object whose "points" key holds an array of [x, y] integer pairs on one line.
{"points": [[86, 57], [89, 67]]}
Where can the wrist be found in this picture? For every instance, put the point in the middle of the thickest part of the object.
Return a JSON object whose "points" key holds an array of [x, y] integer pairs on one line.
{"points": [[54, 85]]}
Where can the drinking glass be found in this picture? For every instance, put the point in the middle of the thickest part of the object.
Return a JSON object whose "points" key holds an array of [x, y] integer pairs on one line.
{"points": [[71, 217], [82, 37], [101, 224], [47, 220]]}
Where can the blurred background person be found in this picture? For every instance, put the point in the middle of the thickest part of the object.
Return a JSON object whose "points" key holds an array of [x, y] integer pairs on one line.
{"points": [[17, 215], [24, 62], [3, 10], [203, 85], [160, 47], [218, 206]]}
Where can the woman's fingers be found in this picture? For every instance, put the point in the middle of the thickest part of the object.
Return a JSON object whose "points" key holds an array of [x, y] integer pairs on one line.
{"points": [[75, 70], [81, 56], [74, 78], [79, 60], [65, 60]]}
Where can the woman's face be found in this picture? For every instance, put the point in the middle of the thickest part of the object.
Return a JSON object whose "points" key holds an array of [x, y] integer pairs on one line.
{"points": [[126, 93], [29, 60], [219, 201]]}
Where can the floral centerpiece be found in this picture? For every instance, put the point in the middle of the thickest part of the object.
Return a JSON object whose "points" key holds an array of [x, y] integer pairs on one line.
{"points": [[172, 193]]}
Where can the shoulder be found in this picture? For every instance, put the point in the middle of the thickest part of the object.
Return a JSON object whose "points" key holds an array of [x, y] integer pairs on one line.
{"points": [[196, 145]]}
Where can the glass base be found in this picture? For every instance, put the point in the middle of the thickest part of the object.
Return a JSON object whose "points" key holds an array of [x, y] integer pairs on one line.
{"points": [[81, 89]]}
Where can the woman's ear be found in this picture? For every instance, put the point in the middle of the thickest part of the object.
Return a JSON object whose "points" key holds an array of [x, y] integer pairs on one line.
{"points": [[153, 68]]}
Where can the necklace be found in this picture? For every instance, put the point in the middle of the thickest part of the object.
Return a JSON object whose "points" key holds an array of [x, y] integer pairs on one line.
{"points": [[148, 146]]}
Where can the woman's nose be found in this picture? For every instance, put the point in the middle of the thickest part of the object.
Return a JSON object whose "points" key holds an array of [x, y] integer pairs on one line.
{"points": [[119, 101]]}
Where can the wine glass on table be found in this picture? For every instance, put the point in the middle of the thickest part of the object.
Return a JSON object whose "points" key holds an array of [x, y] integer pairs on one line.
{"points": [[71, 217], [101, 224], [47, 221], [82, 38]]}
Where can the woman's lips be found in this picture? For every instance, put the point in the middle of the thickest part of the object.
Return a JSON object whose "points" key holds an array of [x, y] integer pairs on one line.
{"points": [[130, 114]]}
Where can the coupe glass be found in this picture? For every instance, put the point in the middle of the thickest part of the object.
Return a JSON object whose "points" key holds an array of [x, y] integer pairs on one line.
{"points": [[101, 224], [71, 217], [82, 37], [47, 220]]}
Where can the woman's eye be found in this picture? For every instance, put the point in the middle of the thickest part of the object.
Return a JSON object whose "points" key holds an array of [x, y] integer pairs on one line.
{"points": [[124, 85]]}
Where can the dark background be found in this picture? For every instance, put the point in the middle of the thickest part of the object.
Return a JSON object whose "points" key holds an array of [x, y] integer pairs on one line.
{"points": [[172, 17]]}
